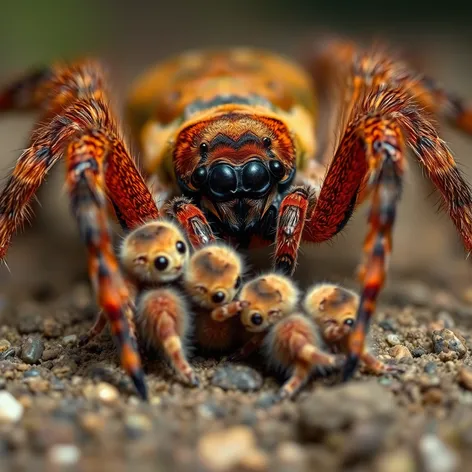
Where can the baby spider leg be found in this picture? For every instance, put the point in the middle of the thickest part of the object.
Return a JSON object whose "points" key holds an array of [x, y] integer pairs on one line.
{"points": [[292, 345], [162, 320], [77, 122]]}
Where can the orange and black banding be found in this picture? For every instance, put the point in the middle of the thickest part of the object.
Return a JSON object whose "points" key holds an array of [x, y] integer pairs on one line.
{"points": [[85, 157], [73, 101], [162, 319], [386, 155], [192, 220], [292, 216]]}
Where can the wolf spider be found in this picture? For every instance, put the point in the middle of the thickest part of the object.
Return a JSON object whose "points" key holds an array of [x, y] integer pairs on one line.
{"points": [[228, 140]]}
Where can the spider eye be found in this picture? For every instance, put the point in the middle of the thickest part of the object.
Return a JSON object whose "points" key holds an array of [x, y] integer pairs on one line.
{"points": [[266, 141], [181, 247], [218, 297], [349, 322], [238, 283], [161, 263], [257, 319], [203, 148], [199, 176]]}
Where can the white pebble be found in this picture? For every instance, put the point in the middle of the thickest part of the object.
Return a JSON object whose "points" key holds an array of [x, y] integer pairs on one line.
{"points": [[11, 410], [72, 338], [64, 454], [107, 393], [436, 456], [393, 339]]}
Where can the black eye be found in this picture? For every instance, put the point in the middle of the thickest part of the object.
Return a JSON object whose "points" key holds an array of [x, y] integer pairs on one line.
{"points": [[218, 297], [181, 247], [256, 319], [199, 176], [161, 263], [238, 283], [203, 148], [277, 169], [266, 141], [349, 322]]}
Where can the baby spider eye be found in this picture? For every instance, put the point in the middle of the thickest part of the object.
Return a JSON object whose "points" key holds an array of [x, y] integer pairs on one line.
{"points": [[349, 322], [181, 247], [199, 176], [218, 297], [161, 263], [266, 141], [238, 283], [257, 319], [203, 148]]}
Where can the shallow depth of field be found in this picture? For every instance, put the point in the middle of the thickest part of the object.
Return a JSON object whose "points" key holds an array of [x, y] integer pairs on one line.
{"points": [[73, 409]]}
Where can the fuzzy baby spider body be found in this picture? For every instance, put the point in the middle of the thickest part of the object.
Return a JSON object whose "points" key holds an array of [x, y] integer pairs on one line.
{"points": [[333, 308], [230, 137], [293, 346], [212, 279], [262, 301]]}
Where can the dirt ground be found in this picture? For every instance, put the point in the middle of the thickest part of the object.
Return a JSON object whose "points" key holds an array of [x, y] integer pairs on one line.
{"points": [[74, 409]]}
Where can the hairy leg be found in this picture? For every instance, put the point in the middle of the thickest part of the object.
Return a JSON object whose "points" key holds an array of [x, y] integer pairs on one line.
{"points": [[72, 100]]}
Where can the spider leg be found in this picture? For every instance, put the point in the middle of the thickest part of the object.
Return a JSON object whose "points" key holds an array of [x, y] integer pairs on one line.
{"points": [[73, 100], [248, 348], [85, 157], [162, 318], [192, 219]]}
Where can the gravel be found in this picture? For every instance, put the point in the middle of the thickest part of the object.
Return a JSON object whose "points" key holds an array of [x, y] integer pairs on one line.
{"points": [[68, 408]]}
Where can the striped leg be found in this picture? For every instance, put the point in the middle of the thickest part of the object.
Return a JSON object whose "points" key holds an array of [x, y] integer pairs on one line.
{"points": [[73, 100], [86, 156]]}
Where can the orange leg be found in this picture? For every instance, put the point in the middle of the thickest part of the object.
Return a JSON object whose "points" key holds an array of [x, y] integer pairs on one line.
{"points": [[73, 101], [292, 215], [85, 158], [229, 310], [162, 318], [192, 219]]}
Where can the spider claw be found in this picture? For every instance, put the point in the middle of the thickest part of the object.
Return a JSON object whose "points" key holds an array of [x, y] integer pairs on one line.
{"points": [[350, 367], [139, 382]]}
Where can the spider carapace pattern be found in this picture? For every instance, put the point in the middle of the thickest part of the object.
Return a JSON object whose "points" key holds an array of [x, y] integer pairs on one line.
{"points": [[230, 150]]}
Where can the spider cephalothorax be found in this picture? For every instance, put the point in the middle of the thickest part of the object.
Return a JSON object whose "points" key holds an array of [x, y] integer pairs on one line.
{"points": [[230, 134]]}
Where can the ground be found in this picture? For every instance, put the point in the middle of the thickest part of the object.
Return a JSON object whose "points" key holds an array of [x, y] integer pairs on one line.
{"points": [[74, 409]]}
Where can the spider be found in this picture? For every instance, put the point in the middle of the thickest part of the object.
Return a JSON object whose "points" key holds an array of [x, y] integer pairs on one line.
{"points": [[229, 146]]}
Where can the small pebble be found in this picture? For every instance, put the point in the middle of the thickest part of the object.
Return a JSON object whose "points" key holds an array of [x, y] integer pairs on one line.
{"points": [[70, 339], [431, 368], [50, 354], [32, 350], [237, 377], [465, 377], [418, 352], [137, 425], [400, 352], [4, 345], [445, 341], [11, 410], [393, 339], [387, 325], [64, 454], [107, 393], [224, 450], [31, 373], [436, 456]]}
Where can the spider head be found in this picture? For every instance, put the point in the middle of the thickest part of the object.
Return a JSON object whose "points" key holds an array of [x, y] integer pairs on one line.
{"points": [[332, 307], [234, 162], [270, 297], [213, 276], [156, 252]]}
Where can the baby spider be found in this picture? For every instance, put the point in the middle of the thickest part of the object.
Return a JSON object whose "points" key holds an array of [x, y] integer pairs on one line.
{"points": [[153, 256], [213, 278], [292, 346], [263, 301], [334, 308]]}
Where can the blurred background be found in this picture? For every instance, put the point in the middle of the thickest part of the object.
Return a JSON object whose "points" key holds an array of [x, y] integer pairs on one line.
{"points": [[131, 36]]}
